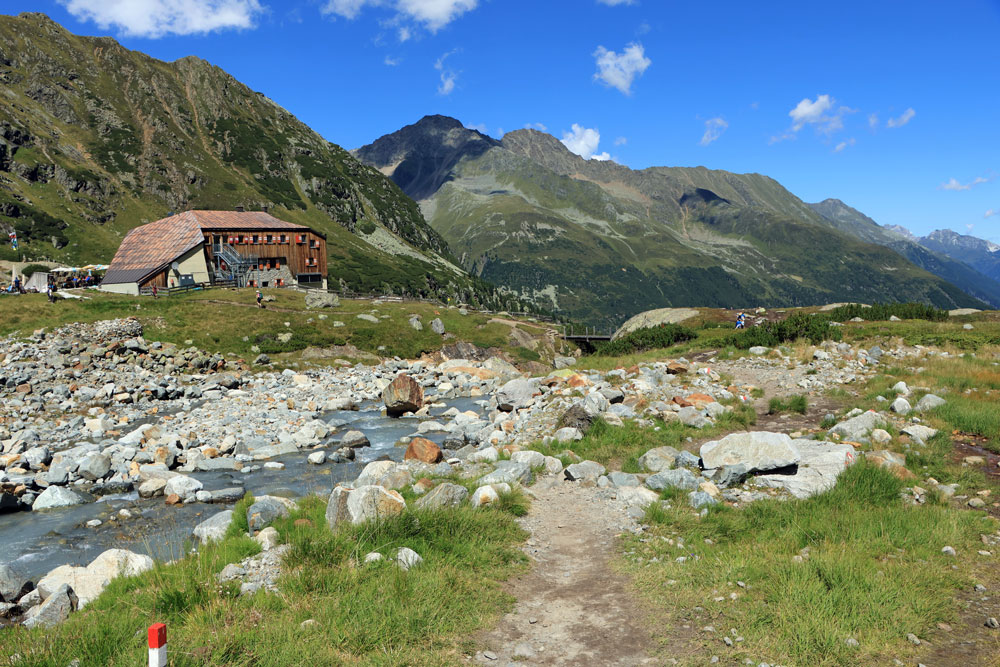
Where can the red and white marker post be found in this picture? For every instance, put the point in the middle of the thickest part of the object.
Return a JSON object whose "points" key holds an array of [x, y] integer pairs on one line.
{"points": [[157, 645]]}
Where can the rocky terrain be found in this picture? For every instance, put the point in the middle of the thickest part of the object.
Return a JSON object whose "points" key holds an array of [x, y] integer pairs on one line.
{"points": [[96, 409]]}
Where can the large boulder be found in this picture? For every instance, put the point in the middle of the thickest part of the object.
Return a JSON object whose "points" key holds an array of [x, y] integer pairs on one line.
{"points": [[354, 440], [759, 450], [654, 318], [54, 610], [422, 449], [321, 299], [90, 581], [516, 394], [14, 582], [444, 495], [214, 528], [403, 394], [857, 428], [57, 496], [819, 465], [508, 472], [661, 458], [374, 471], [372, 502]]}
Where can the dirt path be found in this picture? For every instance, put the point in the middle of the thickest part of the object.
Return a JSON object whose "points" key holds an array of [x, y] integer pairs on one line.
{"points": [[572, 609]]}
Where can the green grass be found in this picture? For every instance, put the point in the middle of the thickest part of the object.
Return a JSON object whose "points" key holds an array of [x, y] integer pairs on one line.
{"points": [[365, 614], [798, 403], [225, 321], [875, 571], [651, 338]]}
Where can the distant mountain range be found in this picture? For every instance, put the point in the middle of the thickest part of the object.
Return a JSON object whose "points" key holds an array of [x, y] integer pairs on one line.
{"points": [[600, 241]]}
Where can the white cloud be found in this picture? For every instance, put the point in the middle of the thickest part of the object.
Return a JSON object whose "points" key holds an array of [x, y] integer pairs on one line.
{"points": [[991, 212], [480, 127], [620, 70], [809, 112], [873, 120], [156, 18], [536, 126], [391, 62], [905, 118], [448, 76], [969, 227], [584, 142], [448, 80], [844, 144], [615, 3], [621, 141], [714, 127], [953, 183], [404, 34], [432, 14]]}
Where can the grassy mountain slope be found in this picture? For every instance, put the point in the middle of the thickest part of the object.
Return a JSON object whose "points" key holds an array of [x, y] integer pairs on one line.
{"points": [[601, 242], [96, 139], [963, 275]]}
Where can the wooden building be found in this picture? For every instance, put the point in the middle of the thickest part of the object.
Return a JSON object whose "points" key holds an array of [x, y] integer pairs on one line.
{"points": [[246, 248]]}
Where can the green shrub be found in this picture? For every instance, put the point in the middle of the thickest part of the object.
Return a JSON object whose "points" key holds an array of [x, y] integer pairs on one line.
{"points": [[883, 311], [651, 338], [32, 269], [814, 328]]}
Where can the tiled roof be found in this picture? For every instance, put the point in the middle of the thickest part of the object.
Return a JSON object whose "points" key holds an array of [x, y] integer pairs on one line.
{"points": [[150, 248], [235, 220]]}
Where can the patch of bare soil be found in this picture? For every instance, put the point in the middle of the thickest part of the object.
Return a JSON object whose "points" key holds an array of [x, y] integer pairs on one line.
{"points": [[967, 641], [572, 607]]}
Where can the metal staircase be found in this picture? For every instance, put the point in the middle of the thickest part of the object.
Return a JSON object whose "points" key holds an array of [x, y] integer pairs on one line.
{"points": [[238, 267]]}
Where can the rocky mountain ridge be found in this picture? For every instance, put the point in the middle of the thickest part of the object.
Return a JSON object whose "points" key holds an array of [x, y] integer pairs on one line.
{"points": [[599, 241]]}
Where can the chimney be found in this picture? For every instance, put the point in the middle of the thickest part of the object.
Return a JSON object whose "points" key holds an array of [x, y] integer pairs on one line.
{"points": [[264, 209], [239, 209]]}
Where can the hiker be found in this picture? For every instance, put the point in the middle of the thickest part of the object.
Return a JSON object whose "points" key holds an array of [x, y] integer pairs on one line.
{"points": [[50, 292], [260, 299], [154, 291], [17, 285], [741, 320]]}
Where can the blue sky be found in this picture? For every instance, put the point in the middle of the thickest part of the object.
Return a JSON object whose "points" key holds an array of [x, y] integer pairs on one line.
{"points": [[892, 107]]}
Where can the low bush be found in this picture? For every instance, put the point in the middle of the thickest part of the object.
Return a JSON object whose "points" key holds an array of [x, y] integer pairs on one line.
{"points": [[32, 269], [883, 311], [651, 338], [814, 328]]}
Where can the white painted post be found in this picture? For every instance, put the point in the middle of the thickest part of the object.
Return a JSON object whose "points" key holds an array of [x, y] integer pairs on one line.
{"points": [[157, 645]]}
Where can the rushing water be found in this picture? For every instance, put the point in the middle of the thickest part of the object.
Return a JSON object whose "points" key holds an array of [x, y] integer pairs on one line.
{"points": [[41, 541]]}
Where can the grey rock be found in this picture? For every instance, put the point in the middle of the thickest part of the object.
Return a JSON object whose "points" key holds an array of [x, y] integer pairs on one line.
{"points": [[407, 558], [901, 406], [185, 487], [660, 458], [94, 466], [443, 495], [54, 610], [437, 326], [564, 362], [568, 434], [929, 402], [264, 511], [758, 451], [700, 499], [857, 429], [819, 465], [622, 479], [214, 528], [354, 439], [508, 472], [584, 471], [692, 417], [57, 496], [686, 459], [516, 394], [14, 582], [321, 299], [681, 478]]}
